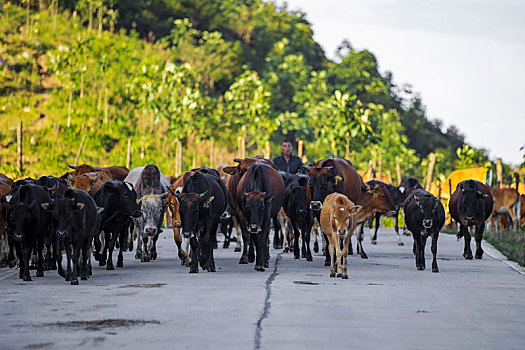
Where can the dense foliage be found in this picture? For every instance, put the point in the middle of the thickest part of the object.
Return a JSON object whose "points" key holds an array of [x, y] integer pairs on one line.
{"points": [[199, 73]]}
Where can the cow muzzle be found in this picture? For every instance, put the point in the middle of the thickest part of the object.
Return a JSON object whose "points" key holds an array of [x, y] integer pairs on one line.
{"points": [[427, 223], [62, 233], [177, 224], [150, 231], [188, 234], [225, 216], [316, 205], [254, 228], [18, 237], [342, 232]]}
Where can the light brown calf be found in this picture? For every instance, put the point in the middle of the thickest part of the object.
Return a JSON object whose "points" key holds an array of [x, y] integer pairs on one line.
{"points": [[338, 220], [504, 201]]}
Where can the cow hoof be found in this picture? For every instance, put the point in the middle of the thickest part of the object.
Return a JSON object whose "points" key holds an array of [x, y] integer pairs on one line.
{"points": [[144, 259], [27, 278], [211, 269], [406, 233], [327, 263], [339, 275], [251, 258], [137, 256], [420, 267], [120, 264], [479, 256], [154, 256], [83, 278], [194, 270], [350, 252], [226, 245], [62, 273], [400, 244], [364, 256], [332, 275], [373, 242], [243, 260], [316, 247], [468, 256], [67, 279], [40, 274], [110, 267], [237, 249], [345, 277], [309, 258], [296, 257], [12, 264], [266, 264], [259, 268], [435, 269], [74, 282], [101, 263]]}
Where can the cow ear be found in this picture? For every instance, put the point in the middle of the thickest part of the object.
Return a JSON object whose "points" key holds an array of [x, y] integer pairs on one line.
{"points": [[164, 198], [338, 179], [231, 170], [268, 197], [207, 202], [356, 209], [330, 170], [401, 189], [484, 196], [79, 205], [171, 191], [94, 179]]}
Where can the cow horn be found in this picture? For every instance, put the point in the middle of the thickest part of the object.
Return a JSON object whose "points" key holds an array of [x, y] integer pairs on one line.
{"points": [[54, 188], [238, 160], [170, 191], [202, 195], [72, 167]]}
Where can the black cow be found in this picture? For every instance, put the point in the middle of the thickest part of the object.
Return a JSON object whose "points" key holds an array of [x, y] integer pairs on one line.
{"points": [[407, 185], [297, 207], [119, 201], [202, 201], [471, 205], [398, 195], [77, 221], [27, 225], [424, 216]]}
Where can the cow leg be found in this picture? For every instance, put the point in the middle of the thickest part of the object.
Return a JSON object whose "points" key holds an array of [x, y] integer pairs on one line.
{"points": [[306, 240], [57, 251], [20, 255], [434, 248], [68, 258], [104, 246], [76, 256], [277, 239], [373, 238], [122, 237], [331, 253], [479, 237], [420, 265], [359, 237], [194, 267], [205, 242], [40, 257], [345, 255], [259, 246], [111, 237], [467, 252], [145, 253], [316, 243], [296, 234], [251, 247], [26, 256], [84, 259], [396, 228], [326, 254], [422, 250], [186, 247], [154, 245], [49, 262], [246, 241], [337, 247], [98, 246], [213, 238]]}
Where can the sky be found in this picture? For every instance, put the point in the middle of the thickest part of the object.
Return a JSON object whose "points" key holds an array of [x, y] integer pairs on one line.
{"points": [[466, 58]]}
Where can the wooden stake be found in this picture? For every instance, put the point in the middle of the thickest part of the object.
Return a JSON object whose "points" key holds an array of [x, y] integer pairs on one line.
{"points": [[430, 172], [179, 158], [69, 107], [239, 146], [300, 149], [106, 119], [80, 149], [499, 172], [212, 141], [398, 171], [128, 156], [19, 139]]}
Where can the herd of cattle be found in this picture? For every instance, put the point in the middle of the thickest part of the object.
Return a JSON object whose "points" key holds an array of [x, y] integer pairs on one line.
{"points": [[95, 210]]}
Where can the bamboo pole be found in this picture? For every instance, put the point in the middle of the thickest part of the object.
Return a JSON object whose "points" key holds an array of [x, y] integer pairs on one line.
{"points": [[430, 171], [239, 146], [20, 139], [128, 156], [212, 141], [69, 107], [398, 171], [499, 172], [179, 158], [267, 150], [380, 171], [300, 149], [80, 149], [106, 107]]}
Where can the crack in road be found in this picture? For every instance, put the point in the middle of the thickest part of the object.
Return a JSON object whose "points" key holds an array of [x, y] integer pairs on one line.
{"points": [[267, 303]]}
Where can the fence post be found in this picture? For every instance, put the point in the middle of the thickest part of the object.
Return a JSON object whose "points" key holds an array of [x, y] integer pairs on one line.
{"points": [[499, 172], [80, 149], [398, 170], [19, 139], [128, 156], [518, 204], [178, 169], [212, 141], [300, 147], [450, 195]]}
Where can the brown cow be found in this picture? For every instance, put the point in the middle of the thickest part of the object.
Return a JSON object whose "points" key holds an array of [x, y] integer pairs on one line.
{"points": [[91, 182], [5, 187], [375, 199], [225, 177], [173, 204], [505, 200], [338, 220], [115, 172]]}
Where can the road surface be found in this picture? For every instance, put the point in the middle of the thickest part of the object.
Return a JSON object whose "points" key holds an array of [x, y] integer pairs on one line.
{"points": [[385, 304]]}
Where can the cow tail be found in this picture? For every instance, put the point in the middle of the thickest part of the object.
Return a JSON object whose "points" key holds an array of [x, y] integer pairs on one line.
{"points": [[459, 235]]}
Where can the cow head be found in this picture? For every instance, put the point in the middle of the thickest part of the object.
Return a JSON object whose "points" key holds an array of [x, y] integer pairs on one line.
{"points": [[428, 206], [342, 211], [399, 194], [123, 195], [257, 207], [190, 206], [62, 211], [298, 200], [471, 201], [19, 217], [152, 207], [377, 199], [85, 182], [322, 182]]}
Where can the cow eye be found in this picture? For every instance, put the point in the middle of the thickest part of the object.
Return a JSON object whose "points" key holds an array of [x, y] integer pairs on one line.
{"points": [[383, 197]]}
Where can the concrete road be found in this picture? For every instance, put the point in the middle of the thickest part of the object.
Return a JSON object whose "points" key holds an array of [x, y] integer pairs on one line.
{"points": [[385, 304]]}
